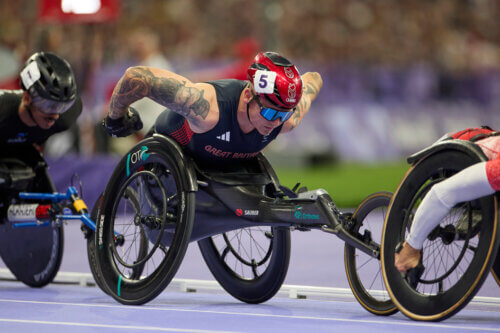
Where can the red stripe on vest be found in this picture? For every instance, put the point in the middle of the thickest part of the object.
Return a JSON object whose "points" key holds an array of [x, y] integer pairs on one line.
{"points": [[184, 134]]}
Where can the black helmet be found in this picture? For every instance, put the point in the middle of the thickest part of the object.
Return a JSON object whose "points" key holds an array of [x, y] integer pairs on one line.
{"points": [[50, 81]]}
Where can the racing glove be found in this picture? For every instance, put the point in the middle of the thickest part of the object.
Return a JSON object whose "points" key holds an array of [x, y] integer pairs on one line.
{"points": [[123, 126]]}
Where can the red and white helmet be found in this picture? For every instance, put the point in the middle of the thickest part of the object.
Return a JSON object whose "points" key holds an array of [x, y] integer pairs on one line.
{"points": [[276, 78]]}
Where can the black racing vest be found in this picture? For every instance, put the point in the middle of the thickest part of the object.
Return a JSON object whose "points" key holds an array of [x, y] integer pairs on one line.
{"points": [[225, 145], [14, 131]]}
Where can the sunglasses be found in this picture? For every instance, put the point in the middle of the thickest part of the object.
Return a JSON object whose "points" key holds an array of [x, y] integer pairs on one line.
{"points": [[272, 114]]}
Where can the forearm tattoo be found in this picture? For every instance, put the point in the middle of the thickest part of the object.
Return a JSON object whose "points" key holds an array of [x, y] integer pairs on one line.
{"points": [[312, 88], [140, 82]]}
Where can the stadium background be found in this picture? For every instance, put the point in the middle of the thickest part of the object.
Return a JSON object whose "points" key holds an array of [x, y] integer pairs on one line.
{"points": [[397, 75]]}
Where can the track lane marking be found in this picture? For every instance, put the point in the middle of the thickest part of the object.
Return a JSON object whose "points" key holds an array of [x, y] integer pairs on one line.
{"points": [[143, 328], [383, 322]]}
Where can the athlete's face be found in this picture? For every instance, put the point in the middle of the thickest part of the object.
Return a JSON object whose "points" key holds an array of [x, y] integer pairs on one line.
{"points": [[42, 119], [263, 126]]}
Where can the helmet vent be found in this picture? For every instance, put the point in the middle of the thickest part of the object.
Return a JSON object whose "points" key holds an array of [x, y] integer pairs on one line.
{"points": [[278, 59]]}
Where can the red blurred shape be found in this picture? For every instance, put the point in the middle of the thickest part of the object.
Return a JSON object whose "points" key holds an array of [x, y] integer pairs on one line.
{"points": [[78, 11], [42, 212]]}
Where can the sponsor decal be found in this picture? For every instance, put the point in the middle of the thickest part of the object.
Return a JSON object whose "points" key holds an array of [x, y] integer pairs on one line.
{"points": [[225, 137], [20, 138], [101, 231], [292, 93], [288, 72], [22, 213], [246, 212], [139, 155], [301, 215]]}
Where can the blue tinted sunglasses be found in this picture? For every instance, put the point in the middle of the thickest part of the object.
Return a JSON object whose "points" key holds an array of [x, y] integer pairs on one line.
{"points": [[272, 114]]}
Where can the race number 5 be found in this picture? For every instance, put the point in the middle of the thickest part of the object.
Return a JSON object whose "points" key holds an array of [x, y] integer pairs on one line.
{"points": [[263, 82]]}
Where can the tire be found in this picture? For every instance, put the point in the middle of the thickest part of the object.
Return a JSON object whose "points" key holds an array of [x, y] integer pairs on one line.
{"points": [[165, 219], [250, 263], [455, 258], [364, 272]]}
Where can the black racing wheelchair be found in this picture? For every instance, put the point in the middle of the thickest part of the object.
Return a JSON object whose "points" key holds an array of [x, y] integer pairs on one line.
{"points": [[32, 216], [158, 200], [457, 255]]}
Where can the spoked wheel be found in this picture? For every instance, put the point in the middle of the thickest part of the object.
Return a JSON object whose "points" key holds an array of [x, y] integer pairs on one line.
{"points": [[364, 272], [131, 196], [249, 263], [145, 200], [457, 254]]}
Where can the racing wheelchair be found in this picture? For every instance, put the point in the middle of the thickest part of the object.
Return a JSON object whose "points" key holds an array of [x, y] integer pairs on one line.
{"points": [[32, 216], [158, 200], [457, 255]]}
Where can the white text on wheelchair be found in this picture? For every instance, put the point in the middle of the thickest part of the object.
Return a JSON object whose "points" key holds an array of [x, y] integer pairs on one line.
{"points": [[246, 212]]}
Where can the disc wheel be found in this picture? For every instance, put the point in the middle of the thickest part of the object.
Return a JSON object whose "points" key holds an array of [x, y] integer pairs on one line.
{"points": [[457, 255], [33, 254], [162, 214], [250, 263], [364, 272]]}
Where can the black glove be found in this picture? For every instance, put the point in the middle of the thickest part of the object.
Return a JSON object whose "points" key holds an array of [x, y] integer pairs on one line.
{"points": [[123, 126]]}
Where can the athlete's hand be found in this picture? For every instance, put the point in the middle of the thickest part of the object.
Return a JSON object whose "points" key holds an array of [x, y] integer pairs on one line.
{"points": [[123, 126]]}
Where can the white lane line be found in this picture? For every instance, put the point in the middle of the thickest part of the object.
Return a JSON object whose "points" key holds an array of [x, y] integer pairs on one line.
{"points": [[144, 328], [383, 322]]}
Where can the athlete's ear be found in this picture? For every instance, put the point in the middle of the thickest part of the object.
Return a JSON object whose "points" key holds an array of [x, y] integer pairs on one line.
{"points": [[26, 99], [247, 95]]}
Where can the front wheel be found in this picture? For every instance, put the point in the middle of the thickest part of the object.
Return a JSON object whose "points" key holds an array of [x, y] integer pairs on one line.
{"points": [[364, 272], [250, 263]]}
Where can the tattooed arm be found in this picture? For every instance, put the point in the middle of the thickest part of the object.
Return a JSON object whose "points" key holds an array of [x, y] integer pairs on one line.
{"points": [[190, 100], [312, 84]]}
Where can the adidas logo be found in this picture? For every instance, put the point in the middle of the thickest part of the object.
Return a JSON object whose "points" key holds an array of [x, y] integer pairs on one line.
{"points": [[225, 136]]}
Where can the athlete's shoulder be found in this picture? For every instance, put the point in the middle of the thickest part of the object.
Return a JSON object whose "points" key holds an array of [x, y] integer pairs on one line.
{"points": [[10, 94]]}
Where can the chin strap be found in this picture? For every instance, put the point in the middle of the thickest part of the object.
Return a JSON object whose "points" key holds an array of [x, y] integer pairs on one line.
{"points": [[248, 112], [31, 115]]}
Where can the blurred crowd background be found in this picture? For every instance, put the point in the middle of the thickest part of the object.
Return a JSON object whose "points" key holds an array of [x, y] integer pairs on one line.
{"points": [[397, 74]]}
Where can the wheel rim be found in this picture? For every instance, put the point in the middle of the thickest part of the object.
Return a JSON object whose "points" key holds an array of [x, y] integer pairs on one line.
{"points": [[245, 252], [158, 198], [370, 284]]}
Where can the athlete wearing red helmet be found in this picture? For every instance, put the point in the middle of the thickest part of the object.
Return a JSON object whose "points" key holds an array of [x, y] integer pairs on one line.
{"points": [[276, 79], [222, 120]]}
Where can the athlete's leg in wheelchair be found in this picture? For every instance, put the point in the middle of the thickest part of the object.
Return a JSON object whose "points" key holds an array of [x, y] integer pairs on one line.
{"points": [[32, 254], [469, 184]]}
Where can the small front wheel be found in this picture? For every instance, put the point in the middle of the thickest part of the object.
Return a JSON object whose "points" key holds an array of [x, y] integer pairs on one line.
{"points": [[364, 272]]}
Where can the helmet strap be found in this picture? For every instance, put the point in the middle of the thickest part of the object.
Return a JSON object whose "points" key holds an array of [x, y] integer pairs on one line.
{"points": [[248, 112], [248, 115], [31, 114]]}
